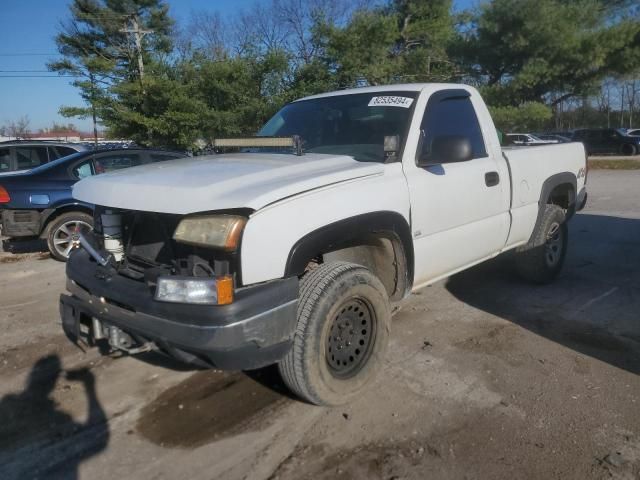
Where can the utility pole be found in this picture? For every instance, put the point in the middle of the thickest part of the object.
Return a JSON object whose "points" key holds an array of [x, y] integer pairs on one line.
{"points": [[137, 38], [93, 109]]}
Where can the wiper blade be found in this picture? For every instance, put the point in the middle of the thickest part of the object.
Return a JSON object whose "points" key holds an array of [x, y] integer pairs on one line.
{"points": [[294, 142]]}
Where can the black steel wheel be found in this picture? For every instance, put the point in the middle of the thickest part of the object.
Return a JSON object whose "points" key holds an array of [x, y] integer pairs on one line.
{"points": [[554, 245], [541, 260], [350, 338], [341, 339]]}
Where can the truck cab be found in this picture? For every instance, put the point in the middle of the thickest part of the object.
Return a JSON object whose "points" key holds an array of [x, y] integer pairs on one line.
{"points": [[295, 248]]}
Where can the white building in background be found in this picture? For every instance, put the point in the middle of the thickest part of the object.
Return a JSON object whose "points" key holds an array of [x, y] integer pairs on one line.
{"points": [[57, 135]]}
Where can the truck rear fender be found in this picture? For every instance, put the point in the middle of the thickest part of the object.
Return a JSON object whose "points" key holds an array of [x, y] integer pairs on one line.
{"points": [[559, 189], [380, 241]]}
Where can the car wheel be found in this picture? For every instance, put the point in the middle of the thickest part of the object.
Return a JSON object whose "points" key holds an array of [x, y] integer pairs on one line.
{"points": [[628, 149], [542, 259], [63, 233], [341, 338]]}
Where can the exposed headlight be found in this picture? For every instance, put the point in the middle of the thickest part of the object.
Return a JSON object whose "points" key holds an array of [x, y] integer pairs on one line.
{"points": [[201, 291], [220, 231]]}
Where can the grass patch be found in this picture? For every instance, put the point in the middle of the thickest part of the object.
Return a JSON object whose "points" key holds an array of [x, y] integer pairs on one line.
{"points": [[614, 164]]}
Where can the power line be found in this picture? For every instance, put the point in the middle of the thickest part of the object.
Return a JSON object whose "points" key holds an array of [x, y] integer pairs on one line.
{"points": [[39, 76], [27, 54]]}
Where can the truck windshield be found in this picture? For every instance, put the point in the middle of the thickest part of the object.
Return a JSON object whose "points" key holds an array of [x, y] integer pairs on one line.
{"points": [[353, 125]]}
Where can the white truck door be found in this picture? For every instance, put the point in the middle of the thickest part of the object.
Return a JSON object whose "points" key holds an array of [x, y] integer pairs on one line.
{"points": [[459, 211]]}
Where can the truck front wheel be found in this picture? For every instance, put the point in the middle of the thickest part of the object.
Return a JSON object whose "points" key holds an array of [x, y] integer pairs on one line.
{"points": [[542, 260], [341, 338]]}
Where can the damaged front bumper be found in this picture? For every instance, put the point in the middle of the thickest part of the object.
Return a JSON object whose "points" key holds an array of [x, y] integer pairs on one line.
{"points": [[255, 330]]}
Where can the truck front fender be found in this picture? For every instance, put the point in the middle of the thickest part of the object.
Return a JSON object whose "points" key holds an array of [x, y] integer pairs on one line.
{"points": [[348, 232]]}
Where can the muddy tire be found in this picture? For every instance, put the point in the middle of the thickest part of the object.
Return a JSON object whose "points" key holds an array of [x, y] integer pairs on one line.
{"points": [[341, 338], [542, 259], [62, 231]]}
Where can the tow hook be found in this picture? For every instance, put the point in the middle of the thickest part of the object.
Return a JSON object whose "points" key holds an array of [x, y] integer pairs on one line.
{"points": [[119, 340], [84, 243]]}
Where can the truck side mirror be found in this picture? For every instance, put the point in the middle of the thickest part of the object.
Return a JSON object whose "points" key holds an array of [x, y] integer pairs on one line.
{"points": [[446, 149]]}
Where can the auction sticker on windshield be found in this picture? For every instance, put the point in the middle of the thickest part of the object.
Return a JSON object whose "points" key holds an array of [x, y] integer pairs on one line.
{"points": [[391, 101]]}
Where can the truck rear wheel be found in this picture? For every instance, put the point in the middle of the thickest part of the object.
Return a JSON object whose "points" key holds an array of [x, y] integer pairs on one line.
{"points": [[542, 260], [341, 339]]}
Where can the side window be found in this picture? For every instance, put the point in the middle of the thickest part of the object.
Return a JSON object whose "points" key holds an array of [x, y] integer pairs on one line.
{"points": [[453, 116], [109, 163], [31, 157], [59, 152], [83, 170], [5, 160], [53, 154], [163, 157]]}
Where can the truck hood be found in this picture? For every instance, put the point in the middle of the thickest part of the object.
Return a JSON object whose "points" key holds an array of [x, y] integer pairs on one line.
{"points": [[218, 182]]}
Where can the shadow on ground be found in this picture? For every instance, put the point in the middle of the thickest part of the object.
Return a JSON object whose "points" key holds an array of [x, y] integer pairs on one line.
{"points": [[592, 308], [31, 421], [27, 245]]}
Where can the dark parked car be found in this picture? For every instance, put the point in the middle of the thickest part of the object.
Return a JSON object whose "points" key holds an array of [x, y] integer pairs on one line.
{"points": [[20, 155], [552, 137], [607, 141], [39, 203]]}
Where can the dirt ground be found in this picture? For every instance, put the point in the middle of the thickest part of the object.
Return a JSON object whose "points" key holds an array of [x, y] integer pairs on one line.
{"points": [[486, 377]]}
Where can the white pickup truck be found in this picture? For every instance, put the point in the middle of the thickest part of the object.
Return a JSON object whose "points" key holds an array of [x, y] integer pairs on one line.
{"points": [[296, 248]]}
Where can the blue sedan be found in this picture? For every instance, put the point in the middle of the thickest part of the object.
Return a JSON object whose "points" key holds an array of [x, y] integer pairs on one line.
{"points": [[38, 203]]}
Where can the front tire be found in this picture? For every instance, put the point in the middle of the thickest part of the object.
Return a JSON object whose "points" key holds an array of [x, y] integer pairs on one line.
{"points": [[62, 233], [344, 318], [542, 259]]}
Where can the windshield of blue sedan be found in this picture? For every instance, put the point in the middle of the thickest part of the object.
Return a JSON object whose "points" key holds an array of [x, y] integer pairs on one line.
{"points": [[353, 125]]}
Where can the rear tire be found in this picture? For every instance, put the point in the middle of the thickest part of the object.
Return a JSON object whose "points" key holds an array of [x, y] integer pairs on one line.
{"points": [[62, 233], [344, 318], [542, 259], [628, 149]]}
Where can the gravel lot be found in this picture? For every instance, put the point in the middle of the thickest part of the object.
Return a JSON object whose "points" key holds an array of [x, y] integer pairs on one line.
{"points": [[487, 377]]}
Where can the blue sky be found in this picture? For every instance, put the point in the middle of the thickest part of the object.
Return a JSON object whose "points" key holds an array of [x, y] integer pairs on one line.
{"points": [[26, 43]]}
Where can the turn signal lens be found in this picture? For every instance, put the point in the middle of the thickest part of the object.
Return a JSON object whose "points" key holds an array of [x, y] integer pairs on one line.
{"points": [[4, 195], [225, 290]]}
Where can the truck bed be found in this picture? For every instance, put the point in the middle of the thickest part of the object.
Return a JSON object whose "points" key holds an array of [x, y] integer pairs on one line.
{"points": [[530, 168]]}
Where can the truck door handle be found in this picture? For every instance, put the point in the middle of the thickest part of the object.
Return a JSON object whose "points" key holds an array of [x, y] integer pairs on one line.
{"points": [[491, 179]]}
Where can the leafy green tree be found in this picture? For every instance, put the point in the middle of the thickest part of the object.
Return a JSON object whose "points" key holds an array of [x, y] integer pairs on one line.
{"points": [[106, 43], [426, 32], [405, 40], [530, 116], [526, 50]]}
